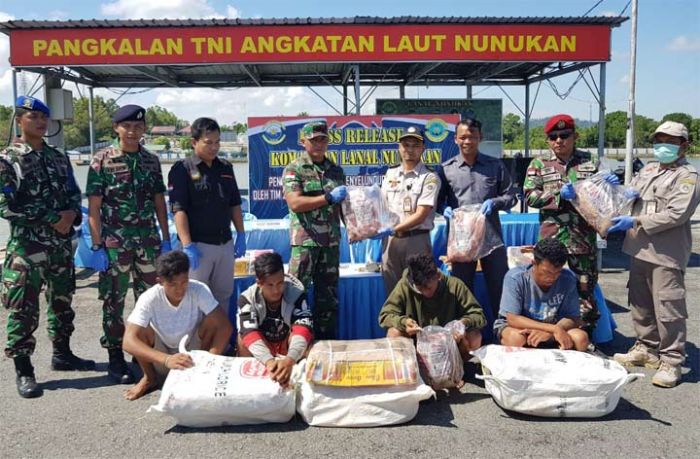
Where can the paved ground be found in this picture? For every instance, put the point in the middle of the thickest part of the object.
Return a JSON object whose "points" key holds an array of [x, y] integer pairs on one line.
{"points": [[84, 415]]}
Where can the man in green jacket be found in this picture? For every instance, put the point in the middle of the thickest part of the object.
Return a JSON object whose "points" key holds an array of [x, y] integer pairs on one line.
{"points": [[424, 296]]}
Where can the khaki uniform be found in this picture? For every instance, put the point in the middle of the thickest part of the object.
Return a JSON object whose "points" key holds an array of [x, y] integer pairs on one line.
{"points": [[660, 246], [404, 192]]}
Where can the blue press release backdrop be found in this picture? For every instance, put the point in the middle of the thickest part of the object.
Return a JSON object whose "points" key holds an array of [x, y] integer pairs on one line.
{"points": [[364, 146]]}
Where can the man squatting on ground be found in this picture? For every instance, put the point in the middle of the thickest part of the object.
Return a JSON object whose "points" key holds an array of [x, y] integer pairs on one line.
{"points": [[275, 323], [540, 303], [174, 308], [425, 296]]}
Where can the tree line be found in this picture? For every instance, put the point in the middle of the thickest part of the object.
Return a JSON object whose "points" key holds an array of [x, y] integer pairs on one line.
{"points": [[77, 132], [615, 131]]}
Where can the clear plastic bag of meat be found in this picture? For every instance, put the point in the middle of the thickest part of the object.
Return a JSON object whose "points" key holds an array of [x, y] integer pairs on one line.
{"points": [[471, 237], [439, 359], [598, 201], [366, 212]]}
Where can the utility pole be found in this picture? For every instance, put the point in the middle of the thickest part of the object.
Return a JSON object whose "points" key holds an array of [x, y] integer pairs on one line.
{"points": [[630, 110]]}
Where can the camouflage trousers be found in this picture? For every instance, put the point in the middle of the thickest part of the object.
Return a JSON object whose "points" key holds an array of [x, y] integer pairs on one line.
{"points": [[585, 266], [26, 269], [114, 283], [320, 265]]}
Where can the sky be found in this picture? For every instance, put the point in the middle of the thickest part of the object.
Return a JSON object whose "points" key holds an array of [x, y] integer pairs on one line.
{"points": [[667, 75]]}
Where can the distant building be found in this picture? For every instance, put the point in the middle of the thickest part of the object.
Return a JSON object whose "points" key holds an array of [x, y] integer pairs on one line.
{"points": [[163, 130], [186, 131]]}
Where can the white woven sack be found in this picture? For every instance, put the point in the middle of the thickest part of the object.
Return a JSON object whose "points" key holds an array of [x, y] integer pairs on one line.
{"points": [[221, 391], [357, 406], [552, 382]]}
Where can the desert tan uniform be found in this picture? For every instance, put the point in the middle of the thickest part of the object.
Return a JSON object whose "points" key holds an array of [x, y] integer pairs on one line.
{"points": [[660, 245], [404, 192]]}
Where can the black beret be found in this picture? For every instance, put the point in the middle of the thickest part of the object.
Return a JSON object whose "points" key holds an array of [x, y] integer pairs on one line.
{"points": [[129, 113]]}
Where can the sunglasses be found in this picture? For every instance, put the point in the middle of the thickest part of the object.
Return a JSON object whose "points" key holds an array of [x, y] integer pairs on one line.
{"points": [[560, 135]]}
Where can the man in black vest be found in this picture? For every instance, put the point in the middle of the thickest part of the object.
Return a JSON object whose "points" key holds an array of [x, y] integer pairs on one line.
{"points": [[204, 199]]}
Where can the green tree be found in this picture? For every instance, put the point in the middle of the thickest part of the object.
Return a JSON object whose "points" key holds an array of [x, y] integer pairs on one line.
{"points": [[5, 123], [185, 143], [162, 141], [513, 132], [77, 132], [678, 117], [159, 116]]}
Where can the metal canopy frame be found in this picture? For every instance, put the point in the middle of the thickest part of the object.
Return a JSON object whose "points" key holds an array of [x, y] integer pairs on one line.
{"points": [[320, 74]]}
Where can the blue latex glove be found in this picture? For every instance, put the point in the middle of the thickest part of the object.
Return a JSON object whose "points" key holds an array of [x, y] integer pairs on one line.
{"points": [[338, 194], [612, 179], [487, 207], [631, 193], [165, 247], [100, 260], [384, 232], [567, 192], [448, 213], [240, 245], [622, 223], [193, 254]]}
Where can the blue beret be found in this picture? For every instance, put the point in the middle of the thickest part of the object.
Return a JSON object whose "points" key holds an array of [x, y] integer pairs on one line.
{"points": [[129, 113], [32, 103]]}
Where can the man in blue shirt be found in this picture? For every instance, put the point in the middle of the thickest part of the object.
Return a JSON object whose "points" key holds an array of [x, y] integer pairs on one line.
{"points": [[540, 305]]}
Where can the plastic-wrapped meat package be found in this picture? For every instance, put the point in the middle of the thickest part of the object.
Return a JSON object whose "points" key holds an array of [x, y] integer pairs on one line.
{"points": [[365, 212], [439, 359], [599, 201], [471, 237]]}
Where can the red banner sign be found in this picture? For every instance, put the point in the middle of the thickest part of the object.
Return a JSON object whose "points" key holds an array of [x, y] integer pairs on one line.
{"points": [[312, 43]]}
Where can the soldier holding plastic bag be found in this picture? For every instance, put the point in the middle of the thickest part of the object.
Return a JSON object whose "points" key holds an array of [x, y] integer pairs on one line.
{"points": [[549, 187]]}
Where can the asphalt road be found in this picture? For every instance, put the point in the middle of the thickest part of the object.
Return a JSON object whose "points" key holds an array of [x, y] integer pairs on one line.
{"points": [[85, 415]]}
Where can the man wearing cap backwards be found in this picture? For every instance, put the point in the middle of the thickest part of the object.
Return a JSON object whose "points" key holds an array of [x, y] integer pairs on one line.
{"points": [[549, 187], [411, 191], [41, 200], [313, 188], [659, 241], [475, 178], [125, 187]]}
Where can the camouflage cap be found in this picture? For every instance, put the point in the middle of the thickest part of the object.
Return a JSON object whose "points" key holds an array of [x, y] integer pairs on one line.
{"points": [[314, 129], [33, 104]]}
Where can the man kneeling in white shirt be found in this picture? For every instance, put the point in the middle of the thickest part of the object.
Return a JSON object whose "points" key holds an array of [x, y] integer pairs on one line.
{"points": [[164, 314]]}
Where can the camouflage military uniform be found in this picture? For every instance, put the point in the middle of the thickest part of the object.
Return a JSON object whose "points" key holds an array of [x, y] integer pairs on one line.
{"points": [[36, 185], [315, 237], [128, 184], [559, 219]]}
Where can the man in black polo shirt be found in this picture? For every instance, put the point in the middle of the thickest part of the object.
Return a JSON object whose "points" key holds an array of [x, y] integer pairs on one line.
{"points": [[204, 199]]}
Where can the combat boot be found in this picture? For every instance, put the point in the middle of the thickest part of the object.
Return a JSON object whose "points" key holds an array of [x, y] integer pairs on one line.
{"points": [[118, 369], [63, 359], [667, 376], [638, 356], [26, 382]]}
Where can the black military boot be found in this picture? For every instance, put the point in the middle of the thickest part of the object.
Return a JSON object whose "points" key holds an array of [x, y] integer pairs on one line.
{"points": [[118, 369], [26, 382], [64, 360]]}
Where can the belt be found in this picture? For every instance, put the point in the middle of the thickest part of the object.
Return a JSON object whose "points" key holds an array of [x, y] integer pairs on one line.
{"points": [[404, 234]]}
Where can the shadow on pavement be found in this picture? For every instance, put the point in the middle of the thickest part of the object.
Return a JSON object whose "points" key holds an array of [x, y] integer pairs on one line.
{"points": [[625, 411], [295, 425], [90, 382]]}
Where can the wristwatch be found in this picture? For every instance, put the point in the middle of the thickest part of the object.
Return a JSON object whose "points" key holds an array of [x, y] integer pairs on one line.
{"points": [[96, 247]]}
